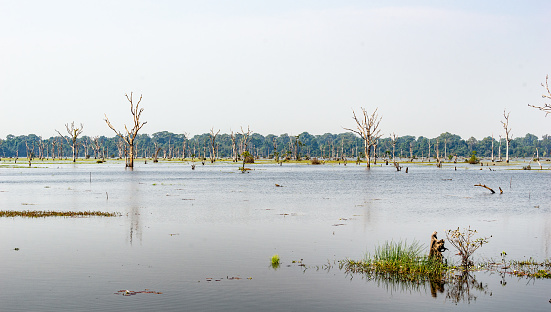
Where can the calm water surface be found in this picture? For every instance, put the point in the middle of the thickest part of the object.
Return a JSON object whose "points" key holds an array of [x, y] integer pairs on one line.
{"points": [[181, 228]]}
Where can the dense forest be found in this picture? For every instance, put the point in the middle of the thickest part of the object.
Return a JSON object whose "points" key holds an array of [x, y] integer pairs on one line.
{"points": [[167, 145]]}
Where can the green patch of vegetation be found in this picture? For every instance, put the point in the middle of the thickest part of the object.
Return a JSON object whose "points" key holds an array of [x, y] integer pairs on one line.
{"points": [[473, 159], [399, 261], [43, 214], [275, 261]]}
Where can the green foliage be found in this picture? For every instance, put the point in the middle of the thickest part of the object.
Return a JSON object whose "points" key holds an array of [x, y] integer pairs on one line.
{"points": [[473, 159]]}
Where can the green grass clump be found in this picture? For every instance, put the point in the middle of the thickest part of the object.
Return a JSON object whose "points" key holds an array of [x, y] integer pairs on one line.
{"points": [[43, 214], [275, 261], [399, 261]]}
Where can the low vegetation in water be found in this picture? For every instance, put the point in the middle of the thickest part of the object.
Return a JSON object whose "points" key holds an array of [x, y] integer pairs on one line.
{"points": [[399, 261], [275, 261], [43, 214]]}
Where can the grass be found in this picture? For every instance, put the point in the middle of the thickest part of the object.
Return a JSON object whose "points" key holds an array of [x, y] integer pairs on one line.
{"points": [[43, 214], [398, 261]]}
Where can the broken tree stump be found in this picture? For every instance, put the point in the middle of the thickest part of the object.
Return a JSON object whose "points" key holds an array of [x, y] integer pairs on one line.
{"points": [[436, 247], [484, 186]]}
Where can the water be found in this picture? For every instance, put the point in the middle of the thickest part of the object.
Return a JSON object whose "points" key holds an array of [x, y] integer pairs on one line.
{"points": [[187, 233]]}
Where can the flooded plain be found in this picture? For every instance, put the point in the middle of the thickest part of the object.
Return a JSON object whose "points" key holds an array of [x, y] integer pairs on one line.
{"points": [[202, 240]]}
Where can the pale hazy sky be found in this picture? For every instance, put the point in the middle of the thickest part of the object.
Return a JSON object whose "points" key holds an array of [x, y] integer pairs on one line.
{"points": [[278, 66]]}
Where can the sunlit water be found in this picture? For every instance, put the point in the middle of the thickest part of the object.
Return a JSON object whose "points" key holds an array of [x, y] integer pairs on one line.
{"points": [[186, 232]]}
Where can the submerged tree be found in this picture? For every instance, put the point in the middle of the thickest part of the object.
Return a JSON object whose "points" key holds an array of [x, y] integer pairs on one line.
{"points": [[368, 130], [132, 133], [245, 138], [72, 138], [213, 144], [508, 134]]}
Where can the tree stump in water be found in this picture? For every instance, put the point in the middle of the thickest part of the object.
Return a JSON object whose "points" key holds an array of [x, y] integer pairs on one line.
{"points": [[436, 247]]}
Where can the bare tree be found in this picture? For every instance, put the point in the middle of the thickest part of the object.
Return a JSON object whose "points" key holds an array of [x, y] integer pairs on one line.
{"points": [[508, 134], [368, 130], [233, 146], [72, 138], [546, 106], [393, 138], [132, 133], [244, 142], [184, 145], [213, 144]]}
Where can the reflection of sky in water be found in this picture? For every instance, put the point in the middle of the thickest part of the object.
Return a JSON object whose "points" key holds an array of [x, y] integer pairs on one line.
{"points": [[224, 223]]}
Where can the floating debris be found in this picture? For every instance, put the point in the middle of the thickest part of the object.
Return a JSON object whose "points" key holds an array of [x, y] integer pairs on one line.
{"points": [[126, 292], [277, 185], [43, 214]]}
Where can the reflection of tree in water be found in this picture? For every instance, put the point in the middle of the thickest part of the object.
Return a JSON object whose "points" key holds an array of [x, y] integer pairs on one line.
{"points": [[459, 286], [135, 225], [464, 287], [134, 199]]}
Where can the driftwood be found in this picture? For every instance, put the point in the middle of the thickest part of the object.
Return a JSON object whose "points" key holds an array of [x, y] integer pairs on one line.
{"points": [[436, 247], [398, 167], [484, 186]]}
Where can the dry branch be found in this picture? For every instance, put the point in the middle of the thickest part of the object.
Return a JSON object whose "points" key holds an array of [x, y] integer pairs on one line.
{"points": [[484, 186]]}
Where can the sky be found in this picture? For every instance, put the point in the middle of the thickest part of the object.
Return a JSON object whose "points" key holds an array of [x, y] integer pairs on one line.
{"points": [[428, 67]]}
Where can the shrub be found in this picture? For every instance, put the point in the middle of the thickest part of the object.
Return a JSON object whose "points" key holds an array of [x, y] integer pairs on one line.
{"points": [[315, 161]]}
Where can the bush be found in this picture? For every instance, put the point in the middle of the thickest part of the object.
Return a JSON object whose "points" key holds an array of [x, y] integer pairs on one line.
{"points": [[315, 161], [473, 159]]}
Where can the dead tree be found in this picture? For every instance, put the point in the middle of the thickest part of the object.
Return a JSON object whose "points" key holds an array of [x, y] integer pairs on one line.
{"points": [[546, 106], [508, 134], [96, 147], [245, 137], [213, 144], [72, 138], [132, 133], [368, 130], [233, 146], [184, 145], [393, 138], [493, 159]]}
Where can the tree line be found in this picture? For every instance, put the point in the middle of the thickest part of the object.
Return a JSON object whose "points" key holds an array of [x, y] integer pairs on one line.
{"points": [[212, 146]]}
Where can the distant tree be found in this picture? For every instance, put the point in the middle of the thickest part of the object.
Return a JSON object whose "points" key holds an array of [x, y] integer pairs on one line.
{"points": [[368, 130], [72, 138], [132, 133], [508, 134], [245, 142], [213, 144]]}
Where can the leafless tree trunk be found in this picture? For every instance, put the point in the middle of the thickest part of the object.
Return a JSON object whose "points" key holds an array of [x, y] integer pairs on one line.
{"points": [[368, 130], [213, 144], [132, 133], [73, 135], [429, 150], [500, 159], [184, 145], [96, 147], [493, 148], [245, 141], [393, 138], [508, 134]]}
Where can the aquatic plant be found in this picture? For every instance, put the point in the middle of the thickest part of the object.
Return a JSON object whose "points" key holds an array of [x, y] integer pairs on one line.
{"points": [[43, 214], [275, 261], [465, 242]]}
